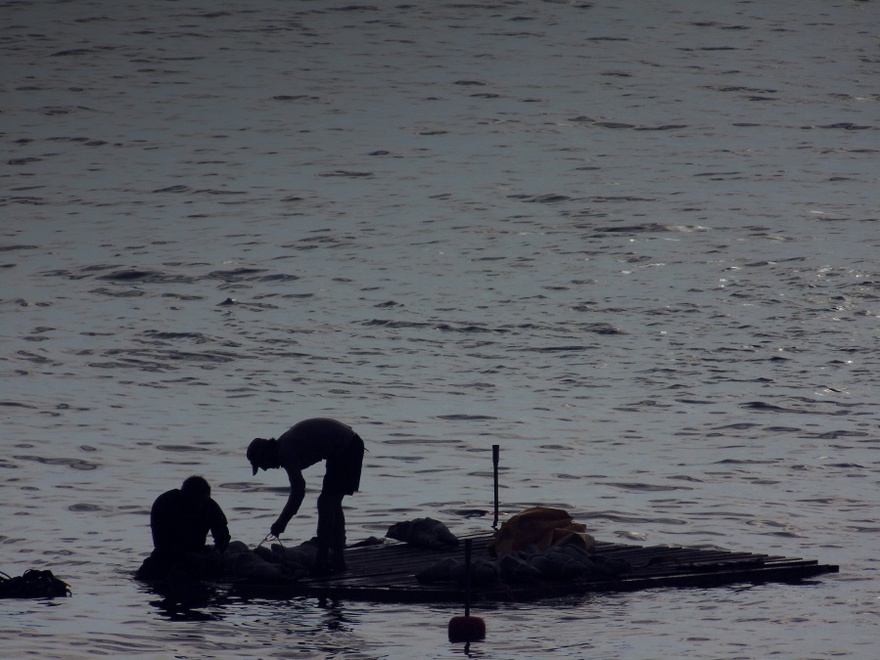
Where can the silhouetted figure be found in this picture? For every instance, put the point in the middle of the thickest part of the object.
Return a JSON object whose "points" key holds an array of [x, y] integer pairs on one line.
{"points": [[180, 520], [307, 443]]}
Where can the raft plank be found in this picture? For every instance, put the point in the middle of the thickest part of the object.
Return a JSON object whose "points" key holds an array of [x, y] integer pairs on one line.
{"points": [[386, 573]]}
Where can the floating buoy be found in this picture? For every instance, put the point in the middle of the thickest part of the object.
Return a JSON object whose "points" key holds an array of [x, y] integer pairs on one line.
{"points": [[467, 628]]}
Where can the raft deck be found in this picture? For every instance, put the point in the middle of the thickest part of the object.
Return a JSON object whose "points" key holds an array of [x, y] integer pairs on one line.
{"points": [[386, 573]]}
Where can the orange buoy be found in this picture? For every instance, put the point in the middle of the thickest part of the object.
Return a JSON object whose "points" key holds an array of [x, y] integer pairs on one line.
{"points": [[467, 628]]}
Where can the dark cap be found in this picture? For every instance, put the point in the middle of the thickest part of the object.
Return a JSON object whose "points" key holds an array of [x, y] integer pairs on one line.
{"points": [[256, 452]]}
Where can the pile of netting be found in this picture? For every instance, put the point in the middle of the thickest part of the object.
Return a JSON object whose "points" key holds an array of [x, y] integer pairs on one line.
{"points": [[32, 584]]}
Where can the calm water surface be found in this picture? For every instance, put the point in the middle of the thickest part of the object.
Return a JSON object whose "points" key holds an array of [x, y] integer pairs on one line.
{"points": [[633, 243]]}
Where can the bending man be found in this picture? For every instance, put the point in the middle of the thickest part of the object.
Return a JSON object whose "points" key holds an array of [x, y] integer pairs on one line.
{"points": [[307, 443]]}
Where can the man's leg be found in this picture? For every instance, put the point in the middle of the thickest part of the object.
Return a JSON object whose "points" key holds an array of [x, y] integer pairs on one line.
{"points": [[338, 542], [329, 508], [342, 478]]}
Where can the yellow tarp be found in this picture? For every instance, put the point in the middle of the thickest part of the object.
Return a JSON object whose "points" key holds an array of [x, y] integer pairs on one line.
{"points": [[542, 526]]}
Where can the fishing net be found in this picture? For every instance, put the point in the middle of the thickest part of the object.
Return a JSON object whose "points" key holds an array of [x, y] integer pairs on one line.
{"points": [[32, 584]]}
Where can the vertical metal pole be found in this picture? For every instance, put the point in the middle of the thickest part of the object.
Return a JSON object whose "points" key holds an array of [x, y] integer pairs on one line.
{"points": [[495, 451]]}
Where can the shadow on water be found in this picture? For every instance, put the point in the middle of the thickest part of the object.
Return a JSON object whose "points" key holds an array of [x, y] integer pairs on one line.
{"points": [[201, 601], [193, 601]]}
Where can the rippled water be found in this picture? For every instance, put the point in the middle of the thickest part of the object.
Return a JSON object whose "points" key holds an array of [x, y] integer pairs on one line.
{"points": [[633, 243]]}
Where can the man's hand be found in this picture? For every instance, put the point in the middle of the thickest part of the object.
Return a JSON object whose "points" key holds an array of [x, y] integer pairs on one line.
{"points": [[277, 528]]}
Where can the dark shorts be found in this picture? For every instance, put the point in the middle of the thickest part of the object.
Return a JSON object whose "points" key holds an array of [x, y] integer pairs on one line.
{"points": [[343, 475]]}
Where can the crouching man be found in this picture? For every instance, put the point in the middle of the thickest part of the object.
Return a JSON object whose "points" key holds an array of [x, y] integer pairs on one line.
{"points": [[180, 521]]}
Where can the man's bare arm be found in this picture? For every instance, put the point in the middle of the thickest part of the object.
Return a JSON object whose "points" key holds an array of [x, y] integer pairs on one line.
{"points": [[294, 500]]}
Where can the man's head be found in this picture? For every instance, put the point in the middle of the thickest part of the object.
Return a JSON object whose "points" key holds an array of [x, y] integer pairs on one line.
{"points": [[263, 453], [196, 488]]}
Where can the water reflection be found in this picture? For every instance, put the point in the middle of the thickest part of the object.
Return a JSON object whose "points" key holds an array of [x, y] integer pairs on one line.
{"points": [[467, 651], [189, 602], [175, 611], [334, 618]]}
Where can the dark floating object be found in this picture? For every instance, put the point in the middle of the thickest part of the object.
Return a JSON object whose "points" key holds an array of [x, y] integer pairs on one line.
{"points": [[32, 584], [386, 573]]}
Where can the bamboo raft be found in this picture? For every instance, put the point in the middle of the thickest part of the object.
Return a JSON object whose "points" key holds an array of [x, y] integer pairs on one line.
{"points": [[386, 573]]}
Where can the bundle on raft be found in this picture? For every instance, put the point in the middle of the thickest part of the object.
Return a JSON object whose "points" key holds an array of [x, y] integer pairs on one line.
{"points": [[423, 533], [275, 564], [537, 544], [33, 584]]}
